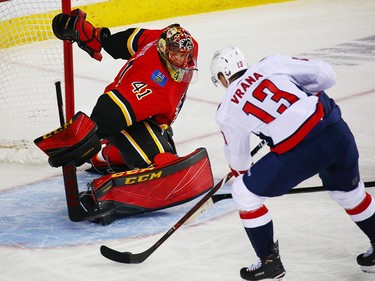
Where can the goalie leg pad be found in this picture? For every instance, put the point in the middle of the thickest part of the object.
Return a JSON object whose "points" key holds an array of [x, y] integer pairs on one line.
{"points": [[75, 141], [145, 190]]}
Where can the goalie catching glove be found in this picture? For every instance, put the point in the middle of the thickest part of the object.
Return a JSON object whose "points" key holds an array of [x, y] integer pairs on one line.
{"points": [[75, 141], [75, 28]]}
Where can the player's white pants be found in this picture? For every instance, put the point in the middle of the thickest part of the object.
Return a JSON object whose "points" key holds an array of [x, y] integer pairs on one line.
{"points": [[252, 211], [359, 204]]}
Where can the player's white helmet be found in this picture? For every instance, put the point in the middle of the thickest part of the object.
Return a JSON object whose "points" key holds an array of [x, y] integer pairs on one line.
{"points": [[228, 61]]}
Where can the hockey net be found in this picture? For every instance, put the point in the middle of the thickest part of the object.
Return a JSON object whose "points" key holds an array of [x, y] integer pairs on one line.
{"points": [[31, 61]]}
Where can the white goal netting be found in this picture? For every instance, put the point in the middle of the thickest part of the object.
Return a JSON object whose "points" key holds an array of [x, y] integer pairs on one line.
{"points": [[31, 60]]}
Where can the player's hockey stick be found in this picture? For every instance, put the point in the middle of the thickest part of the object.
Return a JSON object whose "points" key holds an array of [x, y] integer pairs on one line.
{"points": [[218, 197], [321, 188], [214, 198], [128, 257]]}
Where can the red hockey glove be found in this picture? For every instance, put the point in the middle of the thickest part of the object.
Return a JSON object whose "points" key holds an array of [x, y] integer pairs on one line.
{"points": [[75, 141], [75, 28]]}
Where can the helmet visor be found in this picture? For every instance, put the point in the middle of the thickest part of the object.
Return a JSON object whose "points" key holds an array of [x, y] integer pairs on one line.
{"points": [[186, 74]]}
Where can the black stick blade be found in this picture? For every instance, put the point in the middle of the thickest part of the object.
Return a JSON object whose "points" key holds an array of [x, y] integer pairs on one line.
{"points": [[123, 257]]}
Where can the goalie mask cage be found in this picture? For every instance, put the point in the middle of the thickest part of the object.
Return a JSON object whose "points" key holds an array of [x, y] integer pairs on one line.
{"points": [[31, 61]]}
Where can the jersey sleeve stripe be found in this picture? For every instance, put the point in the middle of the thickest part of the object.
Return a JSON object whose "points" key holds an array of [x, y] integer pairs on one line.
{"points": [[132, 42]]}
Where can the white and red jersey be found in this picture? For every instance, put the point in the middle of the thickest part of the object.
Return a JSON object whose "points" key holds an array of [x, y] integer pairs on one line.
{"points": [[275, 99]]}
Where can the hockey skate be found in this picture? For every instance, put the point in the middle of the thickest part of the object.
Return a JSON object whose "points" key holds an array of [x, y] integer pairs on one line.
{"points": [[269, 268], [367, 260]]}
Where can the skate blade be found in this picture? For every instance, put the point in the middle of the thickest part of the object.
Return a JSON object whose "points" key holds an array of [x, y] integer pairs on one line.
{"points": [[277, 278], [273, 279], [282, 278], [368, 269]]}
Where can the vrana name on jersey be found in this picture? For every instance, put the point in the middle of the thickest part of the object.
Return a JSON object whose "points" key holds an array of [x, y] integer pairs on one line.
{"points": [[244, 86]]}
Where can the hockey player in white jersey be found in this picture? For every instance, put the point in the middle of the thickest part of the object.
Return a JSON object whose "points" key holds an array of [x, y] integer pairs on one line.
{"points": [[282, 100]]}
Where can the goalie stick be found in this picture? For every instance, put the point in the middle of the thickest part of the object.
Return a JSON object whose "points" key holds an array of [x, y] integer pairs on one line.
{"points": [[75, 211], [128, 257]]}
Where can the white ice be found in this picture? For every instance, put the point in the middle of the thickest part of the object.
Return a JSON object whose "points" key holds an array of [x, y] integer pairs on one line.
{"points": [[318, 241]]}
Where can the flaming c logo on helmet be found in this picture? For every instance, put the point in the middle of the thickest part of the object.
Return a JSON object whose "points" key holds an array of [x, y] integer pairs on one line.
{"points": [[185, 44]]}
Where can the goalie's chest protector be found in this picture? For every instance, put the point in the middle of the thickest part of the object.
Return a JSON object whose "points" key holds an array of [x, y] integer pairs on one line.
{"points": [[147, 86]]}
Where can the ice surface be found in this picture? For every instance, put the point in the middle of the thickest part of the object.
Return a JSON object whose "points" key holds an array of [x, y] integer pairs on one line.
{"points": [[317, 239]]}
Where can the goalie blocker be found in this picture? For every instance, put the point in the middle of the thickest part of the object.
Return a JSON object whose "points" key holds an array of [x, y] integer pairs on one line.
{"points": [[75, 142]]}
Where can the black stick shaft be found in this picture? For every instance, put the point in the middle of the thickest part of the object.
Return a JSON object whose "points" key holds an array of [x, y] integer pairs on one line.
{"points": [[60, 105], [69, 171], [127, 257]]}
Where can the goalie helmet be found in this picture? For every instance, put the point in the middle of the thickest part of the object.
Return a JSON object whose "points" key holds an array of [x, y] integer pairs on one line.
{"points": [[176, 48], [227, 61]]}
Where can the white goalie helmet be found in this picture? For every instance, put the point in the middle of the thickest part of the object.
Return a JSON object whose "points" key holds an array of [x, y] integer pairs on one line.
{"points": [[228, 61]]}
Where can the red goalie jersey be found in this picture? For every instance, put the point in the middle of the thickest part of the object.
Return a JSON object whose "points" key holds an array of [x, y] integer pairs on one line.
{"points": [[152, 83]]}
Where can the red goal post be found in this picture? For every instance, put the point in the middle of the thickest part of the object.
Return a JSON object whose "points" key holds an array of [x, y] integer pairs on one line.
{"points": [[68, 69], [31, 61]]}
